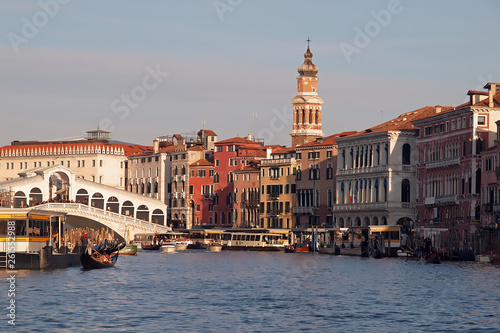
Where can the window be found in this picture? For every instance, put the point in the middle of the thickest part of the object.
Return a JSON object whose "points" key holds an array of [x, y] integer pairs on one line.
{"points": [[459, 123], [219, 148], [329, 153], [191, 189], [93, 163], [100, 163], [298, 156], [447, 126], [481, 120], [453, 125], [406, 154], [405, 190], [216, 163]]}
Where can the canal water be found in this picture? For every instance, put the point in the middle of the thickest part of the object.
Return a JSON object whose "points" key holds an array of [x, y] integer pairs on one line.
{"points": [[196, 291]]}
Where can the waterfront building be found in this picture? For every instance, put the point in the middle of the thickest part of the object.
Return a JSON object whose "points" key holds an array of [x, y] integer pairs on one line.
{"points": [[96, 158], [278, 188], [149, 172], [450, 167], [228, 156], [306, 104], [201, 192], [190, 150], [376, 180], [247, 195], [316, 165]]}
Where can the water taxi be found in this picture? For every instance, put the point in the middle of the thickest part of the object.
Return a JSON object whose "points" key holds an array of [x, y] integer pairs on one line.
{"points": [[168, 247], [255, 240]]}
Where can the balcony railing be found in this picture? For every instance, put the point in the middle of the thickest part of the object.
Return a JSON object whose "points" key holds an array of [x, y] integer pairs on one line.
{"points": [[272, 161], [351, 207], [274, 212], [273, 196], [362, 170], [442, 163], [208, 196], [274, 177], [441, 200], [251, 202]]}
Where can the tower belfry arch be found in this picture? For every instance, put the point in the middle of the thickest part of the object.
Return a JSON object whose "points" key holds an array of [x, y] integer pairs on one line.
{"points": [[307, 105]]}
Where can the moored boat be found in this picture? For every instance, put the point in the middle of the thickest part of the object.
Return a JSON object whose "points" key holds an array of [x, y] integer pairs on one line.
{"points": [[432, 258], [129, 250], [150, 247], [181, 245], [168, 247], [376, 254], [214, 247], [302, 247]]}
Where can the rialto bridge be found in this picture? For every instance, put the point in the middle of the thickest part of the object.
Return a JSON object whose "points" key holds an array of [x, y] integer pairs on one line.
{"points": [[86, 203]]}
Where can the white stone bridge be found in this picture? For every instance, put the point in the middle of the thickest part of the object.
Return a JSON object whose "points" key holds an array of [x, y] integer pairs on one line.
{"points": [[79, 215], [86, 203]]}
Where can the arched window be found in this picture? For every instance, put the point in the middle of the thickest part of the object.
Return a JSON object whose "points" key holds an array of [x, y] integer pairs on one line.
{"points": [[406, 154], [405, 190]]}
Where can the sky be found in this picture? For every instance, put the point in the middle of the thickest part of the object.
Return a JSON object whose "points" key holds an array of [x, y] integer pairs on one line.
{"points": [[144, 69]]}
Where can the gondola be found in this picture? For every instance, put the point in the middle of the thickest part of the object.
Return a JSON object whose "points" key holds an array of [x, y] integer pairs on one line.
{"points": [[150, 247], [103, 256], [376, 254], [432, 258]]}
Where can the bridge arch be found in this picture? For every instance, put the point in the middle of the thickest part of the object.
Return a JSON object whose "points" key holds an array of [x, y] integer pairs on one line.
{"points": [[97, 200], [82, 196], [20, 199], [113, 204], [36, 196], [142, 213], [158, 216], [128, 208]]}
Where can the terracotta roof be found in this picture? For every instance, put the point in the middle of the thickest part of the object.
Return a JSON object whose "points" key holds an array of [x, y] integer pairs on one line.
{"points": [[202, 163], [247, 168], [284, 150], [196, 148], [237, 139], [327, 141], [167, 149], [73, 149], [485, 102], [404, 121], [253, 153], [477, 92], [208, 132]]}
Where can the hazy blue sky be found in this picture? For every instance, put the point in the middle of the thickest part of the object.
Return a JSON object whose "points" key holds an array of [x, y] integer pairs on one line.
{"points": [[65, 70]]}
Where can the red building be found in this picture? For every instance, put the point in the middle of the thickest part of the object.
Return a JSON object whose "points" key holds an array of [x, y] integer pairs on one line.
{"points": [[201, 191], [449, 166], [227, 159]]}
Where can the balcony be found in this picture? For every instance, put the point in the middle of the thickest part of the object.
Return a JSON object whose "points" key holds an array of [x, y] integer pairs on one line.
{"points": [[303, 210], [274, 212], [488, 207], [273, 196], [277, 161], [208, 196], [251, 202], [452, 161], [274, 177], [362, 170], [360, 207], [441, 200]]}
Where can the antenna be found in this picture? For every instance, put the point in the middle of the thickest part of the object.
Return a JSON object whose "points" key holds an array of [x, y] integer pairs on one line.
{"points": [[254, 115], [203, 122], [381, 113]]}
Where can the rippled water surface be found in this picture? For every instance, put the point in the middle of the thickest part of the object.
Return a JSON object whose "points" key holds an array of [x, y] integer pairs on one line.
{"points": [[196, 291]]}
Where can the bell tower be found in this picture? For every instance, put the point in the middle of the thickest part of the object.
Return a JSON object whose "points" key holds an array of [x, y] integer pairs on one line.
{"points": [[306, 104]]}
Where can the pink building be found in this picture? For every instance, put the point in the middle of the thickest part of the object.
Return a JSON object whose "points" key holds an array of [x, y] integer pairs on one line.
{"points": [[449, 166]]}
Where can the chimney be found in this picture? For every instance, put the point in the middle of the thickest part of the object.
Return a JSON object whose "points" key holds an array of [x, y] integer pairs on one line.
{"points": [[249, 136], [268, 153], [438, 108], [156, 145], [492, 89]]}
